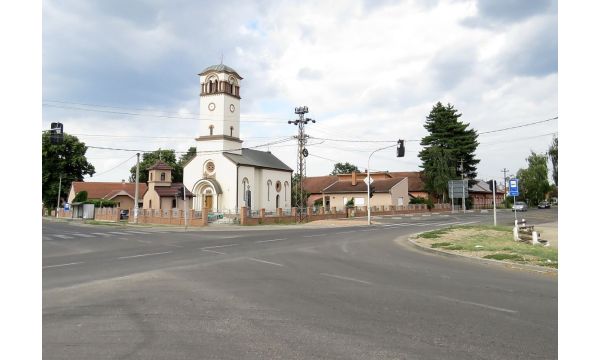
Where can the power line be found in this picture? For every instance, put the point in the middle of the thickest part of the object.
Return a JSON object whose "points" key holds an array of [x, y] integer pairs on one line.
{"points": [[111, 169], [518, 126]]}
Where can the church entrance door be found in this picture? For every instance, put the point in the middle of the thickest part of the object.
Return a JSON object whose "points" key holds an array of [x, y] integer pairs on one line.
{"points": [[208, 201]]}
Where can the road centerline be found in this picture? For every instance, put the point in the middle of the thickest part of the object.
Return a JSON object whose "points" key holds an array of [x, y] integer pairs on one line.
{"points": [[346, 278], [60, 265], [217, 246], [264, 261], [270, 240], [478, 304], [142, 255]]}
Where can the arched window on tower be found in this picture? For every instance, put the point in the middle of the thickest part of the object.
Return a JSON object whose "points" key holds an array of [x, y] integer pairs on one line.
{"points": [[231, 131], [163, 176], [210, 129]]}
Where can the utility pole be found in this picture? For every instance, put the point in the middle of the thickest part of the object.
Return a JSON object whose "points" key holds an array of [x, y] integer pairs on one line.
{"points": [[302, 154], [494, 199], [185, 208], [58, 198], [462, 174], [137, 182], [505, 170]]}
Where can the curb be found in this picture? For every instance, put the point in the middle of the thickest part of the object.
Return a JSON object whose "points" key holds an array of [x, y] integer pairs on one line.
{"points": [[539, 269]]}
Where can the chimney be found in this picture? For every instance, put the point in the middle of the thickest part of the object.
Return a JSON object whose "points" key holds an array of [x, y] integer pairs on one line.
{"points": [[353, 178]]}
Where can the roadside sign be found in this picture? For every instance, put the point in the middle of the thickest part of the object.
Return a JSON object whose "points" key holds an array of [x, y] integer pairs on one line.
{"points": [[513, 187], [456, 189], [67, 207], [368, 180]]}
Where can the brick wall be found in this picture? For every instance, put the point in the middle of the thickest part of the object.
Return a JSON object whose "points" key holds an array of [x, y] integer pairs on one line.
{"points": [[170, 217]]}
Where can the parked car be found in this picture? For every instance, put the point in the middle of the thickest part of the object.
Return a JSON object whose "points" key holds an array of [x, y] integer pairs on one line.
{"points": [[124, 215], [519, 206], [544, 205]]}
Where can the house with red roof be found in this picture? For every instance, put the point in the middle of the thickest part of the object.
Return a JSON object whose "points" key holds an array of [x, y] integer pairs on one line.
{"points": [[123, 193]]}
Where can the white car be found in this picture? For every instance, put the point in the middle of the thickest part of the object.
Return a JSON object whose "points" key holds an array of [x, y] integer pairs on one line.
{"points": [[519, 206]]}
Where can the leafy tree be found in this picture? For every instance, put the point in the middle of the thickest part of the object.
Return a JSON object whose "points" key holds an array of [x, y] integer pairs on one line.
{"points": [[81, 196], [449, 141], [553, 154], [441, 170], [533, 181], [66, 161], [345, 168]]}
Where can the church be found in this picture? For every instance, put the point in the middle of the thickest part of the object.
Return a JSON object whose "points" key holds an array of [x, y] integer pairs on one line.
{"points": [[224, 176]]}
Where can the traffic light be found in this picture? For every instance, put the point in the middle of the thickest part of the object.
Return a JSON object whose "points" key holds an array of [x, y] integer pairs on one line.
{"points": [[181, 195], [56, 133], [371, 191], [492, 184], [400, 149]]}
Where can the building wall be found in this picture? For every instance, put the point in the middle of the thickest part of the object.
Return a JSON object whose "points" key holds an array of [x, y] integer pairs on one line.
{"points": [[268, 194], [124, 202], [400, 190], [378, 199], [151, 195], [224, 174]]}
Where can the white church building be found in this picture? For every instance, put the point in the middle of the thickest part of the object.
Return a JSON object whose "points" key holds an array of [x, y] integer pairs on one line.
{"points": [[224, 176]]}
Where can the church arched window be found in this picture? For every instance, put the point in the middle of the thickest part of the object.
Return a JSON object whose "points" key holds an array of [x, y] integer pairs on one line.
{"points": [[231, 131], [285, 187], [210, 129], [245, 186], [269, 184]]}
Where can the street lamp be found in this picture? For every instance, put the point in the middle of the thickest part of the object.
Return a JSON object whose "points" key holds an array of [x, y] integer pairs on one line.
{"points": [[399, 153]]}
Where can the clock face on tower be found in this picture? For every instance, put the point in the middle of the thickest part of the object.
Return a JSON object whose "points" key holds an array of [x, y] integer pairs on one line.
{"points": [[232, 108], [211, 106]]}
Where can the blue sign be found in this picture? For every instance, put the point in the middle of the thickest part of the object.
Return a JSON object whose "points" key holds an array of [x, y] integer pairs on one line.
{"points": [[513, 187], [67, 206]]}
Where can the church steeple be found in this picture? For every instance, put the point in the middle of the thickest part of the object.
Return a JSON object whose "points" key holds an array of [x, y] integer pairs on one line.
{"points": [[220, 109]]}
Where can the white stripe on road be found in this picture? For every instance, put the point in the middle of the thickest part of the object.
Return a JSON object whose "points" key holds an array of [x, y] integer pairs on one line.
{"points": [[63, 236], [137, 232], [478, 304], [141, 255], [118, 233], [271, 240], [217, 246], [263, 261], [315, 235], [214, 252], [346, 278], [53, 266], [83, 235], [102, 234]]}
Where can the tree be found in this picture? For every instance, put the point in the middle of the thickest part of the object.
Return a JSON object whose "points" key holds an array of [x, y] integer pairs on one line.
{"points": [[441, 170], [553, 154], [345, 168], [65, 162], [449, 141], [149, 159], [187, 157], [298, 198], [533, 181]]}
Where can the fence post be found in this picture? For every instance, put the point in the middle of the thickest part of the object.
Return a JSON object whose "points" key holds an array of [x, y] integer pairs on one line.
{"points": [[243, 215], [261, 213], [205, 216]]}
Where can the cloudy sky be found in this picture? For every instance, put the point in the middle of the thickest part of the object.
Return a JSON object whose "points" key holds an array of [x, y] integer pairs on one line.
{"points": [[124, 75]]}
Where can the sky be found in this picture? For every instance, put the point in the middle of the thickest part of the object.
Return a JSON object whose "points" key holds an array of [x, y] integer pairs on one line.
{"points": [[125, 75]]}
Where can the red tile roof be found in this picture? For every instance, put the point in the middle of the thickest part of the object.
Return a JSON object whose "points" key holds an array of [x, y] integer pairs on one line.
{"points": [[107, 190], [415, 179], [159, 165], [316, 184], [381, 186], [172, 190]]}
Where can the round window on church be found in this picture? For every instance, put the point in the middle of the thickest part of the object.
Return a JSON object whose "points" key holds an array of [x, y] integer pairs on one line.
{"points": [[278, 186], [210, 167]]}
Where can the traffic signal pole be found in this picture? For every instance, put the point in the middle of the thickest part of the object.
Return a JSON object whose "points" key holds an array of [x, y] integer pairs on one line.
{"points": [[369, 175]]}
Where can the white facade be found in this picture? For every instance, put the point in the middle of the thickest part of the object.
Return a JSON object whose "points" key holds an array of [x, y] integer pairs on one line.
{"points": [[224, 183]]}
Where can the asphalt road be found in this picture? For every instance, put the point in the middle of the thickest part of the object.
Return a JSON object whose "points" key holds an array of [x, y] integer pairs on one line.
{"points": [[288, 292]]}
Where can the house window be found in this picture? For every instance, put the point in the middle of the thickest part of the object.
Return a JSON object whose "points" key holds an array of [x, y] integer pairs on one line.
{"points": [[174, 203], [162, 176]]}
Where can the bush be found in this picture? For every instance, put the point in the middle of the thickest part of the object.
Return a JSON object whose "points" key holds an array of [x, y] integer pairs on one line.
{"points": [[420, 200], [81, 196], [101, 203], [350, 202]]}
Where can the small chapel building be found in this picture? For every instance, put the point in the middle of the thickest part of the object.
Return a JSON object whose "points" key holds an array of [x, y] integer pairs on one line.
{"points": [[224, 176]]}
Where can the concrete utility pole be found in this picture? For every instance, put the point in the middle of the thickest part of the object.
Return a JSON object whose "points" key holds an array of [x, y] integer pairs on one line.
{"points": [[137, 182], [302, 154], [505, 170], [462, 174], [494, 199]]}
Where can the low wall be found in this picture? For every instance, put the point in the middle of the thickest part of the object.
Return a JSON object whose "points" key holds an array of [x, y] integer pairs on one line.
{"points": [[170, 217], [107, 214], [321, 214]]}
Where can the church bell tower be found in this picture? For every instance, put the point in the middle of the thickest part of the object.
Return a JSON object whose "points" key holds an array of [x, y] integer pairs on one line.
{"points": [[219, 110]]}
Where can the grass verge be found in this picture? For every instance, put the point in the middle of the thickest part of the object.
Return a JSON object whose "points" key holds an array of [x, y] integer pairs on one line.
{"points": [[489, 242]]}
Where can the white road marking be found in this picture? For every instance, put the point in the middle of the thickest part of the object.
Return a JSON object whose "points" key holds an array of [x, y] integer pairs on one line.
{"points": [[118, 233], [478, 304], [230, 237], [215, 252], [63, 236], [83, 235], [263, 261], [271, 240], [217, 246], [346, 278], [53, 266], [141, 255], [102, 234], [137, 232], [308, 236]]}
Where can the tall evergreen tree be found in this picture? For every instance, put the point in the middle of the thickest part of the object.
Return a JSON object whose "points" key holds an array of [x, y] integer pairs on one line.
{"points": [[65, 162], [449, 141]]}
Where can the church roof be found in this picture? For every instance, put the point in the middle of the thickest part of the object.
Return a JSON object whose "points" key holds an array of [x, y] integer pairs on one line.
{"points": [[260, 159], [220, 68], [159, 165]]}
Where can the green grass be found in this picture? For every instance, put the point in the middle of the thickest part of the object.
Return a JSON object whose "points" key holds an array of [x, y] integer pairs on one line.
{"points": [[495, 240]]}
